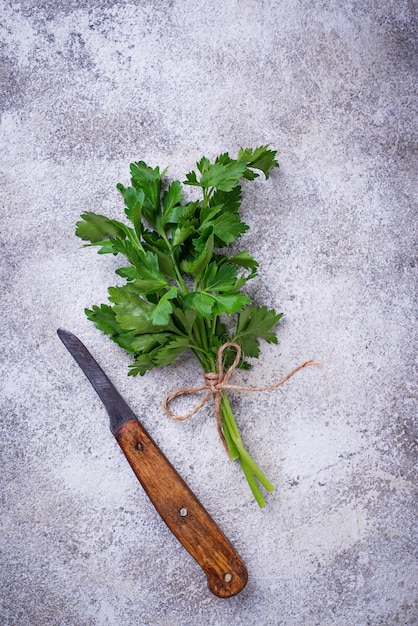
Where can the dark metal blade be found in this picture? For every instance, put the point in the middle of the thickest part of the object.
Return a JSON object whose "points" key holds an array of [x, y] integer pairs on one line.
{"points": [[118, 410]]}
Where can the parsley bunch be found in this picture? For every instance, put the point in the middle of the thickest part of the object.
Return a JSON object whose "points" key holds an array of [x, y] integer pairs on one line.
{"points": [[181, 287]]}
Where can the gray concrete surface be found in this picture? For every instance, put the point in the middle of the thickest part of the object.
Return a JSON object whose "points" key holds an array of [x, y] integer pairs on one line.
{"points": [[87, 88]]}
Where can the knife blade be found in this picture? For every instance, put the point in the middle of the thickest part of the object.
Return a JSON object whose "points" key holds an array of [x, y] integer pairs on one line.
{"points": [[177, 505]]}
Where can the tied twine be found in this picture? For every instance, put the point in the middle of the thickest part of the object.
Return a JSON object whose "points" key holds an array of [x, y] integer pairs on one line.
{"points": [[217, 382]]}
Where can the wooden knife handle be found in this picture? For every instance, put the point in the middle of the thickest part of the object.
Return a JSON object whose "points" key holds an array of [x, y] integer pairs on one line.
{"points": [[182, 511]]}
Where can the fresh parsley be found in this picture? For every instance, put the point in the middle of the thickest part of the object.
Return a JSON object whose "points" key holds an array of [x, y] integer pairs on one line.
{"points": [[181, 291]]}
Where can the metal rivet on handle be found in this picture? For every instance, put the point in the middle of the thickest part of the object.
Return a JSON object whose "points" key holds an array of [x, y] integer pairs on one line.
{"points": [[183, 512], [139, 446], [228, 578]]}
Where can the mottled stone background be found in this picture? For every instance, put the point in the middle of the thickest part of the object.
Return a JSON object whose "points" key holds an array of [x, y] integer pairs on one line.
{"points": [[88, 87]]}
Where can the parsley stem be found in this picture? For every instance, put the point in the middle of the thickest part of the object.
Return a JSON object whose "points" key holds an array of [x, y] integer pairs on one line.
{"points": [[214, 321], [179, 278], [180, 281], [202, 333], [197, 355], [206, 197], [253, 485], [237, 451]]}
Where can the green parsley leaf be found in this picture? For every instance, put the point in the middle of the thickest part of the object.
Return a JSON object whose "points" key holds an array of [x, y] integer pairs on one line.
{"points": [[134, 201], [149, 269], [130, 273], [244, 259], [261, 158], [223, 176], [160, 313], [182, 212], [229, 201], [95, 228], [222, 278], [191, 179], [203, 165], [183, 232], [147, 180], [199, 302], [226, 227], [229, 303], [143, 363], [253, 323], [197, 265], [184, 319], [171, 199], [170, 351], [136, 344], [104, 318]]}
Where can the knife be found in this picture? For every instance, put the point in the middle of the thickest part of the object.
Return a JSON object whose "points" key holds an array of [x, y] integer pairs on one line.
{"points": [[177, 505]]}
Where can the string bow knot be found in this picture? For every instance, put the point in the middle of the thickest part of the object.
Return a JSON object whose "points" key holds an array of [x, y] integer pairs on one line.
{"points": [[217, 382]]}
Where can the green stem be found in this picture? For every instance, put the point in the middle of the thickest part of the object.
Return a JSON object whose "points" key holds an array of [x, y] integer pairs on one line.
{"points": [[253, 486], [237, 451], [206, 197], [200, 323], [213, 329], [196, 335], [182, 285]]}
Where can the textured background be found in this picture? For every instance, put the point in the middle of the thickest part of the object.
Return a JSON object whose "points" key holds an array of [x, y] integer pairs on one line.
{"points": [[87, 88]]}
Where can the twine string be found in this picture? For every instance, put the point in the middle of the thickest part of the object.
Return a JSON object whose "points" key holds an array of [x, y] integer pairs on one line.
{"points": [[217, 382]]}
